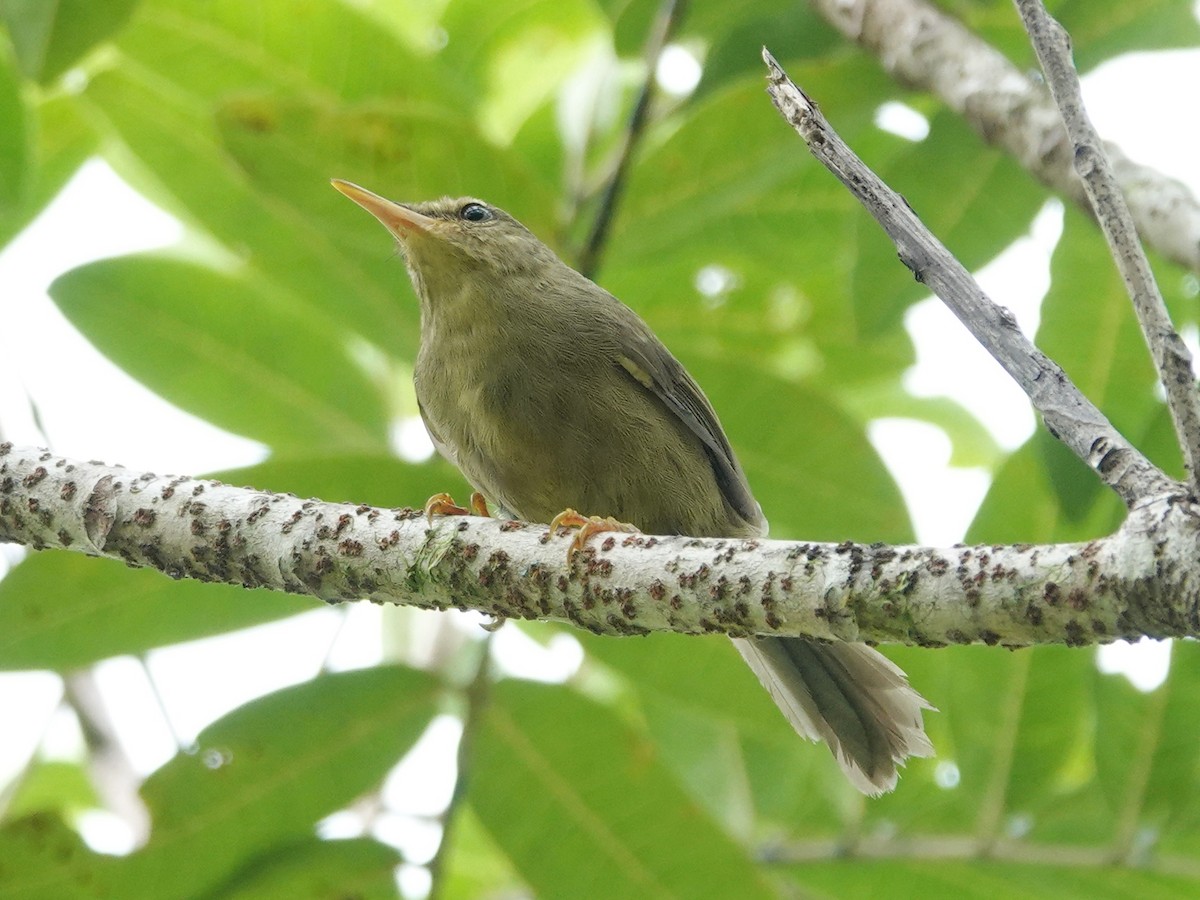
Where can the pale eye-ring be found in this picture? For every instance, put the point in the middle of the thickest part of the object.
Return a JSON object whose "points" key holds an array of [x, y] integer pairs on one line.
{"points": [[474, 212]]}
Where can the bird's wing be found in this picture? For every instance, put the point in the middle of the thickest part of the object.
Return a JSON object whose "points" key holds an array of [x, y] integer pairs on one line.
{"points": [[648, 362]]}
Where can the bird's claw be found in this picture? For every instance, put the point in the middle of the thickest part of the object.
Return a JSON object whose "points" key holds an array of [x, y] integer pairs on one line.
{"points": [[588, 526], [443, 505]]}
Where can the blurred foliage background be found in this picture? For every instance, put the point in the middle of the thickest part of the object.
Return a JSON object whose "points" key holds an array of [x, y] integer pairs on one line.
{"points": [[661, 769]]}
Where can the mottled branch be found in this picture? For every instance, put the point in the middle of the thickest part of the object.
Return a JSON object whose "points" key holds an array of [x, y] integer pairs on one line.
{"points": [[1142, 580], [923, 47]]}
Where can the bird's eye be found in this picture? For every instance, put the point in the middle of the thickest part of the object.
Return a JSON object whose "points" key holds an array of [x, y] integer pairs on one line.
{"points": [[474, 212]]}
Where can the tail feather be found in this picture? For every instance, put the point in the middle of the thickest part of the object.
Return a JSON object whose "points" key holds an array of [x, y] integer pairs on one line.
{"points": [[849, 696]]}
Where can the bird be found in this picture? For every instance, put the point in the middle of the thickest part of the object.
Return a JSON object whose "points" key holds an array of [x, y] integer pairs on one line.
{"points": [[551, 395]]}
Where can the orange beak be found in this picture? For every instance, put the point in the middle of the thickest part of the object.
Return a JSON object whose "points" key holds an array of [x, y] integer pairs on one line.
{"points": [[401, 221]]}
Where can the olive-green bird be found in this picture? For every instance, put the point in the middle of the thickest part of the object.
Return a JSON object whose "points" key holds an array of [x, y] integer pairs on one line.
{"points": [[548, 393]]}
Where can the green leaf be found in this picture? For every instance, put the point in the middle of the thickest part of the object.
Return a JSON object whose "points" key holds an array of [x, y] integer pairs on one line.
{"points": [[801, 454], [61, 141], [42, 859], [475, 867], [52, 787], [1088, 327], [704, 676], [1145, 754], [62, 610], [50, 36], [512, 57], [317, 870], [972, 444], [242, 145], [373, 479], [211, 343], [184, 62], [735, 245], [1099, 33], [983, 879], [15, 149], [1043, 493], [792, 32], [618, 823], [262, 776]]}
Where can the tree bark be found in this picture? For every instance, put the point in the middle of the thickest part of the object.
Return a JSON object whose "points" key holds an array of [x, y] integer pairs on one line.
{"points": [[1143, 580]]}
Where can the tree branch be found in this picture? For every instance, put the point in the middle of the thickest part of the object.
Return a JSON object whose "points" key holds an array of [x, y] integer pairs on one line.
{"points": [[1142, 580], [1068, 414], [1171, 356], [924, 48]]}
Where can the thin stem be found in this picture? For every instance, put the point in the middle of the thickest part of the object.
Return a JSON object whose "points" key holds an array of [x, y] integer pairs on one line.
{"points": [[1069, 415], [1171, 356], [668, 19], [477, 695]]}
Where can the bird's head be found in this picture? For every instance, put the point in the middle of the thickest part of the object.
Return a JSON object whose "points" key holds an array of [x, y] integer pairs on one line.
{"points": [[448, 239]]}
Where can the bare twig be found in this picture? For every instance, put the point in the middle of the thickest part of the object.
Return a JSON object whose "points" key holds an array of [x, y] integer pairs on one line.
{"points": [[1068, 414], [477, 694], [1171, 356], [112, 772], [669, 16], [921, 46]]}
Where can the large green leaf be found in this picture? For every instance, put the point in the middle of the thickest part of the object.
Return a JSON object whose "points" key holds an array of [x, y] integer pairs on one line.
{"points": [[374, 479], [14, 136], [59, 142], [317, 870], [600, 813], [42, 859], [1146, 754], [1088, 327], [802, 455], [985, 879], [187, 69], [238, 115], [511, 57], [51, 35], [1043, 492], [1099, 31], [735, 39], [227, 348], [475, 867], [733, 186], [262, 776], [61, 610]]}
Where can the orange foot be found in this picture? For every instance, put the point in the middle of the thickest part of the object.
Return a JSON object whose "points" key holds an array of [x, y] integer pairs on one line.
{"points": [[588, 526], [444, 505]]}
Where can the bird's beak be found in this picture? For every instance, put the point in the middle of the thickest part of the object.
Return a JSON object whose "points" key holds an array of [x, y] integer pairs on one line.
{"points": [[399, 220]]}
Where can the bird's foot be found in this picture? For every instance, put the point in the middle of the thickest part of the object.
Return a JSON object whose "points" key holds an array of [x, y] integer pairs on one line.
{"points": [[588, 526], [444, 505]]}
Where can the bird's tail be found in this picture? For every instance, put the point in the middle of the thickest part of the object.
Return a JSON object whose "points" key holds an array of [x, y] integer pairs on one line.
{"points": [[849, 696]]}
